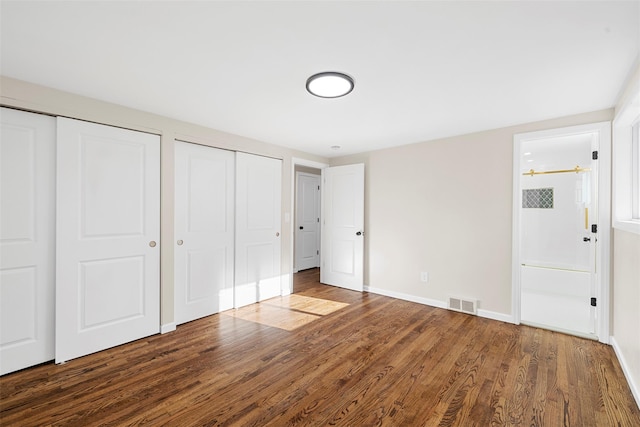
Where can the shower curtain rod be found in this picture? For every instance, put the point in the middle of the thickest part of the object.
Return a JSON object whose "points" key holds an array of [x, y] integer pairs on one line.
{"points": [[577, 169]]}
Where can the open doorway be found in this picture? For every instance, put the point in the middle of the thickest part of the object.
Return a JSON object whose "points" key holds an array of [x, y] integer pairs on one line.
{"points": [[309, 168], [341, 224], [306, 218], [561, 233]]}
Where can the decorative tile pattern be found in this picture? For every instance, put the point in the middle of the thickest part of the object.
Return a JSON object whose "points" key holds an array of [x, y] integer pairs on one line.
{"points": [[537, 198]]}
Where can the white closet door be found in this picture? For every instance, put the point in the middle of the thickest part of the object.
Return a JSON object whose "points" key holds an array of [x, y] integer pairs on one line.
{"points": [[27, 241], [258, 205], [343, 226], [204, 230], [107, 234]]}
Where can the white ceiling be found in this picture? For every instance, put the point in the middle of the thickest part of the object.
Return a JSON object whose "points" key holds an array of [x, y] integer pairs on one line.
{"points": [[423, 70]]}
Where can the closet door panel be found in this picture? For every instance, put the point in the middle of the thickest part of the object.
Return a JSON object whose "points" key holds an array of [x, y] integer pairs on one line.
{"points": [[108, 231], [204, 230], [258, 241], [27, 245]]}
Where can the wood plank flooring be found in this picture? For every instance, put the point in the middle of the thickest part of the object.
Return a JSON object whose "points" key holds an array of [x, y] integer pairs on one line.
{"points": [[362, 360]]}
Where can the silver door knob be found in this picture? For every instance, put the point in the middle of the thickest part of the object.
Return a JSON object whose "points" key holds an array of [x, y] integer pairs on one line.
{"points": [[180, 242], [152, 244], [277, 234]]}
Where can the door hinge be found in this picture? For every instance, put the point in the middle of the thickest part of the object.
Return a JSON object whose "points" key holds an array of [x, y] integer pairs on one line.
{"points": [[594, 302], [594, 228], [594, 155]]}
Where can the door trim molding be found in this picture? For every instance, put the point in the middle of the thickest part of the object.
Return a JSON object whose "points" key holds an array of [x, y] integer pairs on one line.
{"points": [[603, 252]]}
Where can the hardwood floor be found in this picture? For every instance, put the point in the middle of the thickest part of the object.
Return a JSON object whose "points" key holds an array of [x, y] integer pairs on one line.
{"points": [[356, 360]]}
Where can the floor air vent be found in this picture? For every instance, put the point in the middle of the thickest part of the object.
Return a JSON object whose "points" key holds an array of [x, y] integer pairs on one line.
{"points": [[468, 306]]}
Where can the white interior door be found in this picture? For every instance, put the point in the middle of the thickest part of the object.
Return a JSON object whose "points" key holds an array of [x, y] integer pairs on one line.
{"points": [[557, 246], [307, 226], [27, 239], [343, 226], [204, 230], [108, 230], [258, 242]]}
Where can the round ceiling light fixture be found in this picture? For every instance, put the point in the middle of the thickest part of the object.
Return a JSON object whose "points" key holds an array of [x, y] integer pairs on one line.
{"points": [[330, 84]]}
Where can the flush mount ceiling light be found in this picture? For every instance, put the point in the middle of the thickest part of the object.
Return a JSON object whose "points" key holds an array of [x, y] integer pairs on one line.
{"points": [[330, 84]]}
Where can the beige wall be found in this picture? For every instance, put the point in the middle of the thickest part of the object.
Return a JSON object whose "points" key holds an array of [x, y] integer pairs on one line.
{"points": [[19, 94], [444, 207], [626, 279], [626, 301]]}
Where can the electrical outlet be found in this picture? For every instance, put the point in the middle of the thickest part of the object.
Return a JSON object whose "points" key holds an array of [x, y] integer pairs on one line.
{"points": [[424, 276]]}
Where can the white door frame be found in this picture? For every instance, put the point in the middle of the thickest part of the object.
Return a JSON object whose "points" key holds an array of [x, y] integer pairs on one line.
{"points": [[603, 256], [299, 162]]}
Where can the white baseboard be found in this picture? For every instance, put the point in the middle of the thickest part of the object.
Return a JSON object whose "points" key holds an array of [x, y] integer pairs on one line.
{"points": [[507, 318], [169, 327], [406, 297], [494, 315], [635, 388]]}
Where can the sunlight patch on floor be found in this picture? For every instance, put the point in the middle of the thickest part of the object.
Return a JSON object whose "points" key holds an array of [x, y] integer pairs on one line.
{"points": [[287, 312]]}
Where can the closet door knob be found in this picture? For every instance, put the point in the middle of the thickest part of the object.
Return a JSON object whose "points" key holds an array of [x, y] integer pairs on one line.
{"points": [[152, 244], [277, 234], [180, 242]]}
